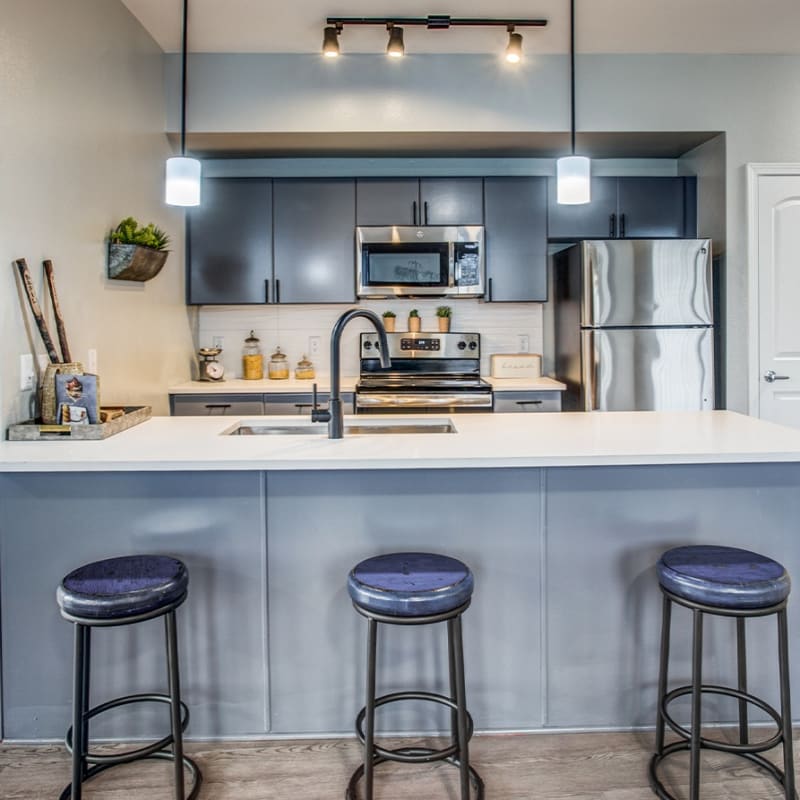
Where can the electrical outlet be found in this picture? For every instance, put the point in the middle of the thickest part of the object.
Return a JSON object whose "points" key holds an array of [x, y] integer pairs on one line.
{"points": [[313, 346], [217, 341], [27, 376], [91, 362], [524, 342]]}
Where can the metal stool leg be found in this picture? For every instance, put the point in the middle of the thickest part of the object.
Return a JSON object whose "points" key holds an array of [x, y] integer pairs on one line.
{"points": [[80, 680], [175, 701], [663, 668], [85, 673], [369, 721], [786, 706], [697, 681], [456, 646], [741, 657]]}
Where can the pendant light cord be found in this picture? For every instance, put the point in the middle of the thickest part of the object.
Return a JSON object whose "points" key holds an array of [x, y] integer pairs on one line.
{"points": [[183, 75], [572, 71]]}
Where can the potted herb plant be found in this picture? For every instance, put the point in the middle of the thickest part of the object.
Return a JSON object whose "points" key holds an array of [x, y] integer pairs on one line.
{"points": [[136, 253], [414, 321], [444, 313], [389, 318]]}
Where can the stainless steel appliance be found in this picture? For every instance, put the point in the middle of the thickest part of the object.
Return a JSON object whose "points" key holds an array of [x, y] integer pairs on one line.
{"points": [[430, 373], [632, 325], [406, 261]]}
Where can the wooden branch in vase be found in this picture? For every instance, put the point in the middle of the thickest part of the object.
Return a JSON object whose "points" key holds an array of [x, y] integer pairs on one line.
{"points": [[62, 331], [36, 310]]}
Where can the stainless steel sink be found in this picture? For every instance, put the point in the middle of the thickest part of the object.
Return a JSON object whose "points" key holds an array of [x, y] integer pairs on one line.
{"points": [[258, 428]]}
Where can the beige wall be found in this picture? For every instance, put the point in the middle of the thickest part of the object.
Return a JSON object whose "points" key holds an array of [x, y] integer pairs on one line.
{"points": [[82, 121]]}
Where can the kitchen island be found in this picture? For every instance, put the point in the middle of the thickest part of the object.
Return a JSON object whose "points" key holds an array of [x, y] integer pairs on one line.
{"points": [[561, 517]]}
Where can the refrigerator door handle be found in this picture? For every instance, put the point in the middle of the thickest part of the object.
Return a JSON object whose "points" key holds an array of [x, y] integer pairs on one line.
{"points": [[589, 371]]}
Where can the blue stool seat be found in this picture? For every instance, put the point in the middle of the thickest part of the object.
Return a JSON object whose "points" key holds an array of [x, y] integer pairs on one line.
{"points": [[122, 587], [724, 577], [410, 584]]}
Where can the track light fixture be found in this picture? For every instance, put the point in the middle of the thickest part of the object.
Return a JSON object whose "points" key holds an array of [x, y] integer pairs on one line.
{"points": [[396, 48], [183, 173], [573, 173]]}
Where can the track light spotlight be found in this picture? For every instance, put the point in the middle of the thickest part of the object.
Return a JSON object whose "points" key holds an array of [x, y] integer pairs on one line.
{"points": [[395, 48], [514, 47], [330, 41]]}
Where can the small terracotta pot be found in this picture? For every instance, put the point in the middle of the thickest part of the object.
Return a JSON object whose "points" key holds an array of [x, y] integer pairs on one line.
{"points": [[388, 323], [444, 324], [414, 323]]}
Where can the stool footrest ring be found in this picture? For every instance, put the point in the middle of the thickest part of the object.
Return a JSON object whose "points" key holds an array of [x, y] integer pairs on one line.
{"points": [[129, 755], [413, 755], [712, 744], [676, 747], [188, 763], [474, 777]]}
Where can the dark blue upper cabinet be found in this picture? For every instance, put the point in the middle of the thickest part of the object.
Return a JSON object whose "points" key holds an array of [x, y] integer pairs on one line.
{"points": [[627, 208], [229, 242], [314, 241], [516, 239], [419, 201]]}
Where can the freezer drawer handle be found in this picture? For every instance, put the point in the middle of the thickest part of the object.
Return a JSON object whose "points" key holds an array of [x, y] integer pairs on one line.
{"points": [[770, 376]]}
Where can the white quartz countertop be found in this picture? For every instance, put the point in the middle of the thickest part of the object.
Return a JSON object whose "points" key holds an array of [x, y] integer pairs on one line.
{"points": [[481, 440], [240, 386]]}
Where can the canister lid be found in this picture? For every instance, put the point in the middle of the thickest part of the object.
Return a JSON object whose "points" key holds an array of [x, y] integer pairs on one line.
{"points": [[304, 362], [277, 355], [252, 338]]}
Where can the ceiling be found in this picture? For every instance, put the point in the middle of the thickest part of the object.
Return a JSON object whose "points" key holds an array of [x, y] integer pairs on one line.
{"points": [[607, 26]]}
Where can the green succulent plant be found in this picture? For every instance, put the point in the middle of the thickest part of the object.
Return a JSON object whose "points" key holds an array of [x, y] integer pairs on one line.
{"points": [[443, 311], [389, 314], [129, 232], [413, 313]]}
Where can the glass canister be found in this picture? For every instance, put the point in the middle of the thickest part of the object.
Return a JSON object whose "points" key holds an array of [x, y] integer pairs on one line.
{"points": [[278, 367], [252, 359], [304, 371]]}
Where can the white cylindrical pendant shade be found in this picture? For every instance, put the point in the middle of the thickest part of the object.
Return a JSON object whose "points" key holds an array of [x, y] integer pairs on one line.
{"points": [[573, 184], [183, 181]]}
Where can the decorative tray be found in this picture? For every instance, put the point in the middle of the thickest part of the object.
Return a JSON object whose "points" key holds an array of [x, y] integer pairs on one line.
{"points": [[36, 431]]}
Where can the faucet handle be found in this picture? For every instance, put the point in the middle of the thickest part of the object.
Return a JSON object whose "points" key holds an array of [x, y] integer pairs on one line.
{"points": [[318, 414]]}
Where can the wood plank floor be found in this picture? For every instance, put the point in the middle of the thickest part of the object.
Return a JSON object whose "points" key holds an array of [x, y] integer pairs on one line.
{"points": [[576, 766]]}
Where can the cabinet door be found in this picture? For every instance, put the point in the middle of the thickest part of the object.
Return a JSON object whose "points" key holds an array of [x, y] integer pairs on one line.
{"points": [[300, 403], [215, 405], [527, 402], [229, 242], [516, 239], [451, 201], [588, 221], [314, 240], [652, 208], [387, 201]]}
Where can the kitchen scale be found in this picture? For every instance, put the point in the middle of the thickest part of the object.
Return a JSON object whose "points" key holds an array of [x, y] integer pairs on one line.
{"points": [[210, 368]]}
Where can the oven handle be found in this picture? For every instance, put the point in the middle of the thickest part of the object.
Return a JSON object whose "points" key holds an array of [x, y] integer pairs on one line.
{"points": [[422, 400]]}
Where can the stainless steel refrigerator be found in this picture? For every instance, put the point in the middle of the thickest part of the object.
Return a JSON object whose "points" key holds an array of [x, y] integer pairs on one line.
{"points": [[632, 325]]}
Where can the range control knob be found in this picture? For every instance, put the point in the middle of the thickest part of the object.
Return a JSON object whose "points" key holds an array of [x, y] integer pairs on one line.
{"points": [[377, 345], [368, 345], [462, 345], [473, 345]]}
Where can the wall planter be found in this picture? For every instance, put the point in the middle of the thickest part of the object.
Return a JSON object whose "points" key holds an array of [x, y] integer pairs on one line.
{"points": [[134, 262]]}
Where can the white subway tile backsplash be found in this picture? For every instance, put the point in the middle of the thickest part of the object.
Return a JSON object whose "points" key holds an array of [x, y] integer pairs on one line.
{"points": [[290, 326]]}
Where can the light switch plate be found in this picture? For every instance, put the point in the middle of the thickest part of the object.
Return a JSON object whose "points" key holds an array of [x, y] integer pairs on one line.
{"points": [[27, 375]]}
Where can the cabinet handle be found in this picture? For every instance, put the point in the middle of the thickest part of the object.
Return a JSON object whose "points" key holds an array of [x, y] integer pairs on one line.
{"points": [[490, 290], [529, 402], [414, 212], [218, 406], [277, 290], [622, 226], [425, 206], [266, 290], [612, 226]]}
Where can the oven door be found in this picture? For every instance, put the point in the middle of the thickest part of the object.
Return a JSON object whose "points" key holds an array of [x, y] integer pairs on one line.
{"points": [[388, 402]]}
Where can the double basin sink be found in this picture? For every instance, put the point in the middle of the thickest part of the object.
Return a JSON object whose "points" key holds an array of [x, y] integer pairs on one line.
{"points": [[261, 428]]}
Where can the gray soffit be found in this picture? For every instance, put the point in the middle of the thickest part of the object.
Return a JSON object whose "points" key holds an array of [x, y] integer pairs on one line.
{"points": [[438, 144]]}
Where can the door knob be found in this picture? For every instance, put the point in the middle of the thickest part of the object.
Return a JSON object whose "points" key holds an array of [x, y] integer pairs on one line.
{"points": [[770, 376]]}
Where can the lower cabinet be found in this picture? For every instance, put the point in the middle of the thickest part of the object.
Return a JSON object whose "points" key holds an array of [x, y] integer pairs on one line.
{"points": [[237, 405], [527, 402]]}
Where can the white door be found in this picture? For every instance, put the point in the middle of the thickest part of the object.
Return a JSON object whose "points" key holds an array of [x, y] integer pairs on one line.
{"points": [[774, 206]]}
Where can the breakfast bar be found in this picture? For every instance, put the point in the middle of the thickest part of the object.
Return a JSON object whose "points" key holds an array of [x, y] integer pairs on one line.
{"points": [[561, 517]]}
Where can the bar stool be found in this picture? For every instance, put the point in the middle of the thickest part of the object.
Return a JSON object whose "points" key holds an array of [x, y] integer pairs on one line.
{"points": [[414, 589], [729, 582], [123, 591]]}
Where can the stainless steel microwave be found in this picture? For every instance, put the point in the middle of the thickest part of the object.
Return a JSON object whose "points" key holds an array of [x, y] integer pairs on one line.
{"points": [[432, 261]]}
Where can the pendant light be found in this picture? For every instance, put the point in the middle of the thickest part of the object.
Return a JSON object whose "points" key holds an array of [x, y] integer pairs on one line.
{"points": [[573, 173], [183, 173]]}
